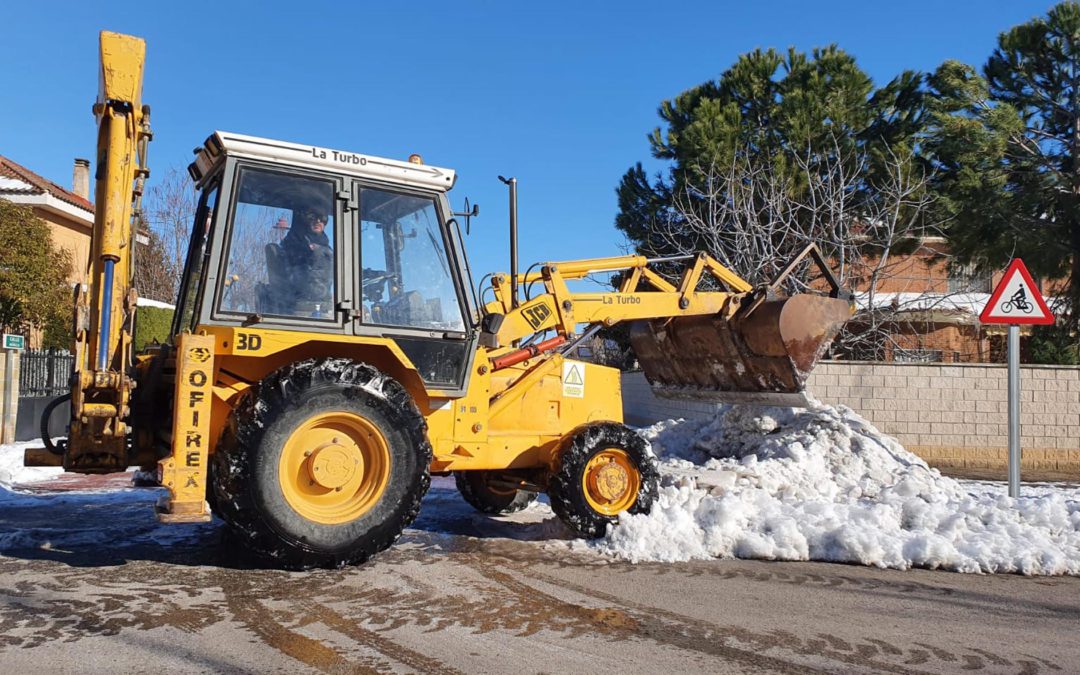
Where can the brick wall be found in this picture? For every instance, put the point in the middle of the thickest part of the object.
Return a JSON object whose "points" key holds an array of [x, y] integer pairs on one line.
{"points": [[951, 415]]}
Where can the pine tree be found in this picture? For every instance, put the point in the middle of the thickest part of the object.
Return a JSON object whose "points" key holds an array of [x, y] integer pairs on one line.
{"points": [[1006, 146], [802, 122]]}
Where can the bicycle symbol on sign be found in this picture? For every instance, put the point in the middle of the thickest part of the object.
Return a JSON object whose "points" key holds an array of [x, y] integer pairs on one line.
{"points": [[1018, 300]]}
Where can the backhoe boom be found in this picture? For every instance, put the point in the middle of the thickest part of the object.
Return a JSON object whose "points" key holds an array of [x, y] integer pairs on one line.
{"points": [[101, 387]]}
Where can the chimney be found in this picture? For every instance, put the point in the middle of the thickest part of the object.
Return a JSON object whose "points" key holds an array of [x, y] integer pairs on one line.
{"points": [[80, 181]]}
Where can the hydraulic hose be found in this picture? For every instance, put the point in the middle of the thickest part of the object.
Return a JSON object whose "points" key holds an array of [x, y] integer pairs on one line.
{"points": [[46, 414]]}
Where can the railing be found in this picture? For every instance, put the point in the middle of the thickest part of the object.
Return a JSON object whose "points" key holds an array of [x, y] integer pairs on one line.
{"points": [[45, 373]]}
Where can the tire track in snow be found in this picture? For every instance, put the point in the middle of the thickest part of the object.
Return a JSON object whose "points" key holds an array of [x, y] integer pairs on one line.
{"points": [[643, 623], [385, 646], [867, 654]]}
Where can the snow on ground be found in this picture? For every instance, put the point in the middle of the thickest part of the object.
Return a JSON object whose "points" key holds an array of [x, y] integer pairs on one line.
{"points": [[13, 472], [768, 483], [824, 484], [37, 510]]}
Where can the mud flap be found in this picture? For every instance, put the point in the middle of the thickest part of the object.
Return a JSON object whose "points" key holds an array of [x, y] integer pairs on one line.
{"points": [[184, 472], [761, 356]]}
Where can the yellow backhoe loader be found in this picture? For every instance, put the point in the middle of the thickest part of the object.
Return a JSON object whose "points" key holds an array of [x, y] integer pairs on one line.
{"points": [[328, 353]]}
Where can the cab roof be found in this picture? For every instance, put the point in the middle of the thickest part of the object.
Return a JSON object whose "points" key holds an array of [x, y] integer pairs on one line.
{"points": [[222, 143]]}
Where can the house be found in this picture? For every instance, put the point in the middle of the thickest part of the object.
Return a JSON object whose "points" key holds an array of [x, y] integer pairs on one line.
{"points": [[69, 213], [928, 310]]}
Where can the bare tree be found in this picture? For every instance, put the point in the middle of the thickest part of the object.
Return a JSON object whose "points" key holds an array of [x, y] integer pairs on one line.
{"points": [[756, 213], [246, 272], [155, 273], [170, 212]]}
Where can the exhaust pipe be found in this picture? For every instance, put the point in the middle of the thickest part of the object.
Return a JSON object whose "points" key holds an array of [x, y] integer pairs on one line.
{"points": [[512, 184]]}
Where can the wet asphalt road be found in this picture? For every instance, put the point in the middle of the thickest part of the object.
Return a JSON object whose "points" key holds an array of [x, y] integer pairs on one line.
{"points": [[462, 593]]}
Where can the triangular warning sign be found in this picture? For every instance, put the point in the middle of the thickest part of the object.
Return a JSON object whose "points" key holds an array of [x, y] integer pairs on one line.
{"points": [[1016, 299], [573, 375]]}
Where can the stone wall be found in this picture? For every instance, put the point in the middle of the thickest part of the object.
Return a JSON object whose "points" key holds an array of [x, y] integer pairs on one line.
{"points": [[952, 415]]}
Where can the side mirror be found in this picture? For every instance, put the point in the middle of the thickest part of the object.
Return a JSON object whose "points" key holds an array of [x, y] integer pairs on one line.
{"points": [[468, 215]]}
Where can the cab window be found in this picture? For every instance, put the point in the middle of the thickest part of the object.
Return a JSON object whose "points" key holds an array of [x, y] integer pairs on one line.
{"points": [[281, 258], [406, 275], [185, 317]]}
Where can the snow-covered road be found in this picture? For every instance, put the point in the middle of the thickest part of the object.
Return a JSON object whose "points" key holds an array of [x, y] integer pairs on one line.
{"points": [[764, 483]]}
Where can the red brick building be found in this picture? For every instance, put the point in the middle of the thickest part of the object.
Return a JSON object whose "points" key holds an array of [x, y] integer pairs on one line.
{"points": [[931, 310]]}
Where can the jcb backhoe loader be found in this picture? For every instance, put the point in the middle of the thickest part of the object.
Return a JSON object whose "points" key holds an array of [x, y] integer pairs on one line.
{"points": [[328, 354]]}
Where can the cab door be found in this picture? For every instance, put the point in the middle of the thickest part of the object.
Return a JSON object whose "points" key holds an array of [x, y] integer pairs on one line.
{"points": [[408, 284]]}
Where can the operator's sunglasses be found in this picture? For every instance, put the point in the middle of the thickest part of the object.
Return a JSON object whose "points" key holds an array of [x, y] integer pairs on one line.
{"points": [[315, 216]]}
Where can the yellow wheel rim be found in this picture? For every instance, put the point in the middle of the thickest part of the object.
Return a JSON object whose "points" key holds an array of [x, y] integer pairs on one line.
{"points": [[611, 481], [334, 467]]}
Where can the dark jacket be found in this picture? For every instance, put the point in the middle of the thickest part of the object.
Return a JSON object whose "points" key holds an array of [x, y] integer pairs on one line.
{"points": [[310, 262]]}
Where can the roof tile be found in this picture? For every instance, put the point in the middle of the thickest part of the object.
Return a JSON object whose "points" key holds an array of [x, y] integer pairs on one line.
{"points": [[35, 184]]}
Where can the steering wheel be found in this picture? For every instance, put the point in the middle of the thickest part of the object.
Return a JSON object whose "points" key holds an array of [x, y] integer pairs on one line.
{"points": [[372, 283]]}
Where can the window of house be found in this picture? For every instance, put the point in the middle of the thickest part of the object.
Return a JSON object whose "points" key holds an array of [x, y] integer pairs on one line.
{"points": [[965, 279]]}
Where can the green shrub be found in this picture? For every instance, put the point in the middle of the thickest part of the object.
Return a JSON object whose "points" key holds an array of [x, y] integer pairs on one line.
{"points": [[152, 324]]}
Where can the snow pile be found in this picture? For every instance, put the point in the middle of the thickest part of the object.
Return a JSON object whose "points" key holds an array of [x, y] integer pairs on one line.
{"points": [[824, 484], [12, 471]]}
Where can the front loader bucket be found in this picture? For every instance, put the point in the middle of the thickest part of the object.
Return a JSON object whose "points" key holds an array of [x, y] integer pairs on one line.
{"points": [[763, 356]]}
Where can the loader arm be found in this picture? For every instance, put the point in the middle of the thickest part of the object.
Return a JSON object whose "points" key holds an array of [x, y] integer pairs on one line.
{"points": [[102, 384], [739, 343], [560, 309]]}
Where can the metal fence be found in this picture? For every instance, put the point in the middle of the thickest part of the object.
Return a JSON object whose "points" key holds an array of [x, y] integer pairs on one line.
{"points": [[44, 372]]}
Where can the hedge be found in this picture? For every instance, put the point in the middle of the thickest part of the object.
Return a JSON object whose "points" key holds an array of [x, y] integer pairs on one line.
{"points": [[152, 324]]}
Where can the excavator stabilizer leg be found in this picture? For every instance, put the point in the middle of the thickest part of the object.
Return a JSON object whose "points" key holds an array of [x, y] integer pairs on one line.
{"points": [[184, 471]]}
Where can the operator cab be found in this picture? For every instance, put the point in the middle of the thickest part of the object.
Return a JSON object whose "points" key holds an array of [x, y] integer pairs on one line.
{"points": [[295, 237]]}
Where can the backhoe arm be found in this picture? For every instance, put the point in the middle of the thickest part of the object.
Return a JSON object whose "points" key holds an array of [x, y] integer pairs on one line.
{"points": [[105, 313]]}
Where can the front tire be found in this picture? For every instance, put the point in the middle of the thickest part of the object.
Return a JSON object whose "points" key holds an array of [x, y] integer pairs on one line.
{"points": [[604, 469], [323, 465]]}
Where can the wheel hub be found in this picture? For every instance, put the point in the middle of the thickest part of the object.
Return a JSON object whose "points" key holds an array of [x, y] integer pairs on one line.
{"points": [[333, 465], [611, 481]]}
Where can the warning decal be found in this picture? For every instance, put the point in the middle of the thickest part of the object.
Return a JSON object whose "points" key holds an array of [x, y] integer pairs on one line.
{"points": [[1016, 299], [573, 379]]}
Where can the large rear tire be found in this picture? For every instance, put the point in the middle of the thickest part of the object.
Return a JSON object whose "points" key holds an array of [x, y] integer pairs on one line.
{"points": [[482, 491], [323, 465], [604, 469]]}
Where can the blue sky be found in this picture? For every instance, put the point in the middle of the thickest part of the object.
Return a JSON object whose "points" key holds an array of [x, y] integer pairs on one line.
{"points": [[560, 95]]}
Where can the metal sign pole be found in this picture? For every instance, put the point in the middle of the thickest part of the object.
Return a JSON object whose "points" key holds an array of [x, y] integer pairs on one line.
{"points": [[1014, 410]]}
